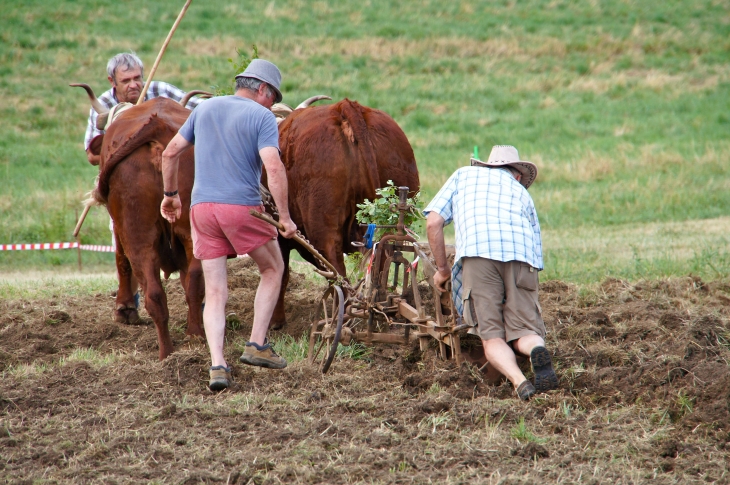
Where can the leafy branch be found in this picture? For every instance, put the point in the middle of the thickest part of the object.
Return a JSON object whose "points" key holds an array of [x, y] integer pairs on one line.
{"points": [[379, 210], [239, 65]]}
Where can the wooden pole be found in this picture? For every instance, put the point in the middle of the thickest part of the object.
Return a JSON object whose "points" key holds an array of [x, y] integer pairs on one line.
{"points": [[81, 220], [162, 51], [144, 90], [78, 243]]}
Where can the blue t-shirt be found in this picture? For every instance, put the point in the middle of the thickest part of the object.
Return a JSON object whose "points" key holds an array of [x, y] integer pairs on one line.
{"points": [[228, 132]]}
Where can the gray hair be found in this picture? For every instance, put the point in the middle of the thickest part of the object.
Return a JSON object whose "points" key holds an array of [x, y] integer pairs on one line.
{"points": [[252, 84], [125, 60]]}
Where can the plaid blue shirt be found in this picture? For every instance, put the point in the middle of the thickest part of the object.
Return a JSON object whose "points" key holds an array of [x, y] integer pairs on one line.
{"points": [[156, 89], [494, 217]]}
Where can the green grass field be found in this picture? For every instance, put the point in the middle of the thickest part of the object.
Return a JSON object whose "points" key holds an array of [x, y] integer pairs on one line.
{"points": [[623, 105]]}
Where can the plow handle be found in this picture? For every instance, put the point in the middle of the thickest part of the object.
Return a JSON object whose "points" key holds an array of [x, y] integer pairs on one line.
{"points": [[332, 274]]}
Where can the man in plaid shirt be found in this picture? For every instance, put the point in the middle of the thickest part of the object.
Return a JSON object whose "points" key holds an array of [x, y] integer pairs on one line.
{"points": [[498, 255], [125, 74]]}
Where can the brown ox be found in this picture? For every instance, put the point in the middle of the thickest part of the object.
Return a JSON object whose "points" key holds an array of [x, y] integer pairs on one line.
{"points": [[130, 185], [335, 157]]}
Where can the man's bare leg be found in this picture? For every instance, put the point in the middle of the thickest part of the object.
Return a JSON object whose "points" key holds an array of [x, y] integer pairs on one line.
{"points": [[271, 266], [500, 355], [216, 296]]}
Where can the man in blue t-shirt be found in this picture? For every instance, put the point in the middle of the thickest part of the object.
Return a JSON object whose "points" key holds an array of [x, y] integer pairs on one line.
{"points": [[233, 137]]}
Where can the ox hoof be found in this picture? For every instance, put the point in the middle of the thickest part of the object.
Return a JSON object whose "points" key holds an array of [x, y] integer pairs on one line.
{"points": [[278, 325], [128, 316], [193, 341]]}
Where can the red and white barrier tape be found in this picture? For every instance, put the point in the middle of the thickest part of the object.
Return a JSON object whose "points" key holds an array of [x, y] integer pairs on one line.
{"points": [[64, 245]]}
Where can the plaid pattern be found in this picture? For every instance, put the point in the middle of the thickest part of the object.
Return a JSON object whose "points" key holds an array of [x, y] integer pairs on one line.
{"points": [[157, 89], [494, 217]]}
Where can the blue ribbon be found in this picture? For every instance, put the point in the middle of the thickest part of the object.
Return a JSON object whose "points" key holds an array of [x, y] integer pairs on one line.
{"points": [[369, 236]]}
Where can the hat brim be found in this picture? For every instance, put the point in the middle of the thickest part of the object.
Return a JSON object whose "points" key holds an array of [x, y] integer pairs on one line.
{"points": [[527, 169], [279, 96]]}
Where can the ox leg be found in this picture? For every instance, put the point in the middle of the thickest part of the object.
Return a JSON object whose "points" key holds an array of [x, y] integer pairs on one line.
{"points": [[278, 319], [333, 253], [194, 286], [155, 301], [125, 310]]}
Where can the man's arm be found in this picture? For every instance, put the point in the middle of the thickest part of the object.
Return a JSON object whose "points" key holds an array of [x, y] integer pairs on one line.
{"points": [[171, 207], [167, 90], [276, 176], [435, 232]]}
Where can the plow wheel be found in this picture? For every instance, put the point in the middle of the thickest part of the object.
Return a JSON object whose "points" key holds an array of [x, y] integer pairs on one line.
{"points": [[327, 328]]}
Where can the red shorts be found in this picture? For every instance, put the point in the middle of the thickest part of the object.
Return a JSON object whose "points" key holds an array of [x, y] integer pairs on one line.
{"points": [[227, 230]]}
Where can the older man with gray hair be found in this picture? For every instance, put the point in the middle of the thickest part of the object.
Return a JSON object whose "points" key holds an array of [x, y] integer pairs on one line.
{"points": [[234, 136], [125, 73]]}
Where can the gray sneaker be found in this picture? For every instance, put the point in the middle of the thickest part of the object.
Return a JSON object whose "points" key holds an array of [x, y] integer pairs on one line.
{"points": [[262, 356], [220, 378]]}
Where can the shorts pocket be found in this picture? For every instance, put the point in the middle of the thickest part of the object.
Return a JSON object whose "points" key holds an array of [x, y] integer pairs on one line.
{"points": [[470, 315], [527, 278]]}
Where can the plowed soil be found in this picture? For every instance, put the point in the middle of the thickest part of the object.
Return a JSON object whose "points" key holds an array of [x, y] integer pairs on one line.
{"points": [[644, 397]]}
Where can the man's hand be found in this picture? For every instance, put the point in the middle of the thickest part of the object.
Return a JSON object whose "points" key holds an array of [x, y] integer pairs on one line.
{"points": [[441, 278], [171, 208], [435, 232], [289, 227]]}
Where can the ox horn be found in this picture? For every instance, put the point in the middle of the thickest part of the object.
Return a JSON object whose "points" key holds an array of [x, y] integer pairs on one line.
{"points": [[98, 107], [313, 99], [281, 110], [190, 94]]}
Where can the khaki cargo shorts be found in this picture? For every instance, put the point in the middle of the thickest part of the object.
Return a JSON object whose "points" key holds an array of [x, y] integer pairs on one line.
{"points": [[500, 299]]}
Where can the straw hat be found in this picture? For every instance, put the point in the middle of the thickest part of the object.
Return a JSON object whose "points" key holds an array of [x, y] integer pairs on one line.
{"points": [[502, 155]]}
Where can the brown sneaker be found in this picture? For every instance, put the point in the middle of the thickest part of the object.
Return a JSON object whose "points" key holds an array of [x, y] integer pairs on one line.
{"points": [[262, 356], [526, 390], [220, 378]]}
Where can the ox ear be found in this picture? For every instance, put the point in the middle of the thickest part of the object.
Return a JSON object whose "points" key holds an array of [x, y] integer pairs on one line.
{"points": [[93, 153]]}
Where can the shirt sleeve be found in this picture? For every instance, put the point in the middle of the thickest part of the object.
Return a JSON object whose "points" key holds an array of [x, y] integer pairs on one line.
{"points": [[269, 132], [167, 90], [538, 238], [107, 100], [187, 130], [441, 204], [91, 130]]}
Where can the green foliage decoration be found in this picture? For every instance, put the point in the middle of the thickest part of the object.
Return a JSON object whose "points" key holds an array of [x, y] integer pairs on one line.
{"points": [[379, 210], [239, 65]]}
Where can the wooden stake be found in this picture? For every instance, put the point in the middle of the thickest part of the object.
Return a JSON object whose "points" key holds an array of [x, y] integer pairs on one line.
{"points": [[81, 220], [162, 51], [78, 243]]}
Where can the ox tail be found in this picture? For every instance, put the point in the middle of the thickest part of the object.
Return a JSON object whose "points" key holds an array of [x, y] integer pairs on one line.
{"points": [[93, 197], [356, 131]]}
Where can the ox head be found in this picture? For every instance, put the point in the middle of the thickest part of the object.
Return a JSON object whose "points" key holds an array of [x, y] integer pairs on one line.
{"points": [[282, 111], [100, 109], [103, 121], [103, 112]]}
